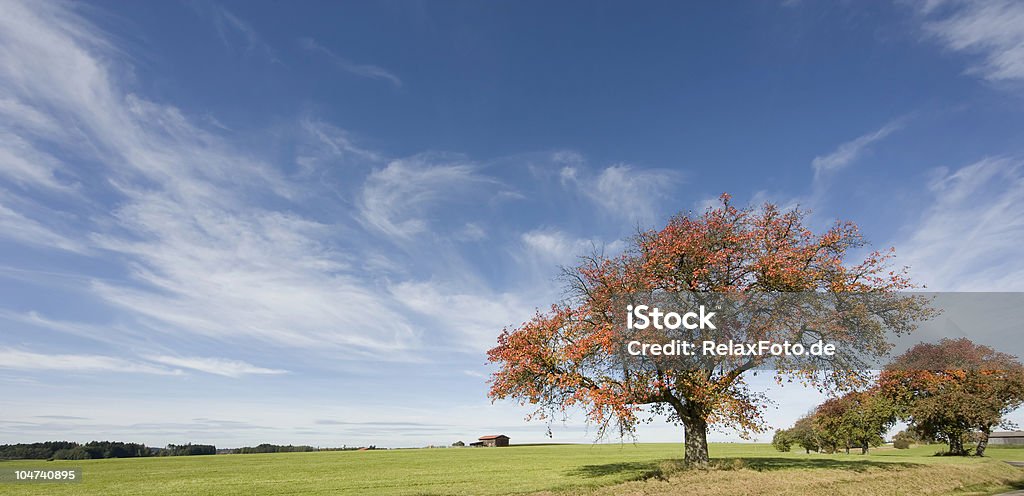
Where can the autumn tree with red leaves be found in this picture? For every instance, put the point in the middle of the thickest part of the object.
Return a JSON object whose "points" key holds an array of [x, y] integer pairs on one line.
{"points": [[570, 357], [953, 389]]}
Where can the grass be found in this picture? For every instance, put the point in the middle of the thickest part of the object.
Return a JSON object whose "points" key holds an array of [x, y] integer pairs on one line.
{"points": [[554, 469]]}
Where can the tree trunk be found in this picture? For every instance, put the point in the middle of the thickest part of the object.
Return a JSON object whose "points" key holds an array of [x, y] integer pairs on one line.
{"points": [[956, 444], [864, 448], [983, 440], [696, 440]]}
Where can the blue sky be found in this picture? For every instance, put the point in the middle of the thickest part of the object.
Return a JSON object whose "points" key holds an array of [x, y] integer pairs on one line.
{"points": [[238, 222]]}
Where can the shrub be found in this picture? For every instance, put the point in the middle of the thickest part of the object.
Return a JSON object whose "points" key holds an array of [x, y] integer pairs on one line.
{"points": [[782, 440], [903, 440]]}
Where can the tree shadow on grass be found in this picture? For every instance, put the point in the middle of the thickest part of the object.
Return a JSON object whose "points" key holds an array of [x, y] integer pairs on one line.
{"points": [[784, 463], [642, 469], [663, 468]]}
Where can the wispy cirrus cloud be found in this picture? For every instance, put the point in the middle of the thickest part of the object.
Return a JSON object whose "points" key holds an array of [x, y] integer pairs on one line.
{"points": [[217, 366], [253, 274], [27, 165], [19, 359], [16, 359], [325, 144], [181, 207], [991, 29], [362, 70], [975, 217], [216, 243], [18, 227], [234, 31], [848, 152], [475, 318], [624, 191], [395, 198], [552, 246]]}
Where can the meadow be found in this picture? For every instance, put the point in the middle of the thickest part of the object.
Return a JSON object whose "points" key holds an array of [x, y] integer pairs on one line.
{"points": [[605, 469]]}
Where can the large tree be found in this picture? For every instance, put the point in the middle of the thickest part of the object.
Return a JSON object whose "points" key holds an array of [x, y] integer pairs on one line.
{"points": [[953, 389], [571, 357]]}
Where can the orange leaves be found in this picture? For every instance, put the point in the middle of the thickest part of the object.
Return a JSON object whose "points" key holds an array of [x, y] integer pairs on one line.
{"points": [[568, 356], [730, 249]]}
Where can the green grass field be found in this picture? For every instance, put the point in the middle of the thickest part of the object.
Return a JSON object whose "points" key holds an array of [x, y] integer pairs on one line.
{"points": [[588, 469]]}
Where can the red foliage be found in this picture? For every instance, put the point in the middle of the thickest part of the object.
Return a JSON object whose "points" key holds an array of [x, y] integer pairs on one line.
{"points": [[564, 358]]}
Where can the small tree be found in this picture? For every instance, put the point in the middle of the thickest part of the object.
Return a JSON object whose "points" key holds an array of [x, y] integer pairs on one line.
{"points": [[782, 440], [857, 419], [952, 389], [570, 356], [902, 440], [805, 434], [458, 444]]}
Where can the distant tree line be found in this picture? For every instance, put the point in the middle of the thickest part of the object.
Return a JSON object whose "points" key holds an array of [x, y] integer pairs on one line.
{"points": [[187, 450], [67, 450], [269, 448], [35, 451]]}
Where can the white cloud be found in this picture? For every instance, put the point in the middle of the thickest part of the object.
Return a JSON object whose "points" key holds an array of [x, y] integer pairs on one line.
{"points": [[395, 198], [850, 151], [567, 157], [361, 70], [624, 191], [471, 232], [556, 247], [568, 174], [970, 237], [814, 203], [217, 366], [27, 165], [248, 274], [233, 31], [632, 192], [28, 361], [14, 225], [185, 211], [991, 29], [474, 318], [21, 116], [544, 251], [328, 144], [110, 334]]}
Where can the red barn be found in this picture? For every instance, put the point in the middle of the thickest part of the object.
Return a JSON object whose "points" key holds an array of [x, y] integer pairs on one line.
{"points": [[496, 440]]}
